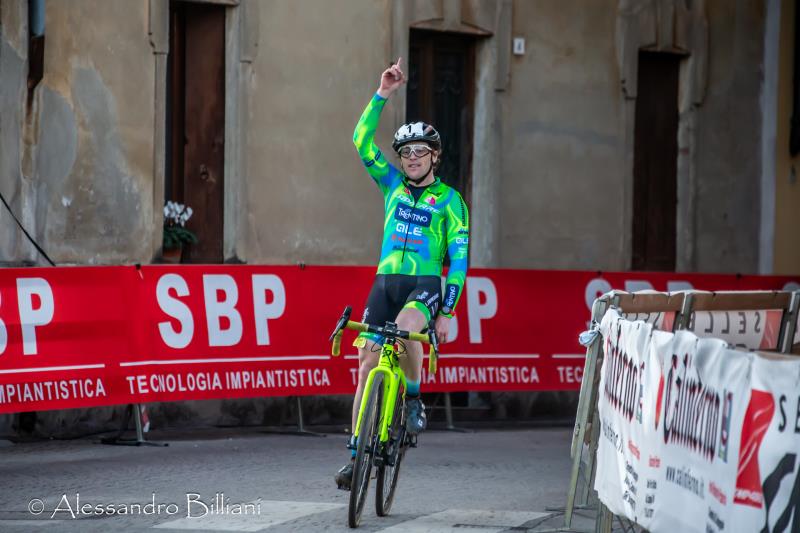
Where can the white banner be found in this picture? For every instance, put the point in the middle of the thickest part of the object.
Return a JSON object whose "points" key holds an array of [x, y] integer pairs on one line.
{"points": [[674, 409], [620, 397], [757, 330], [767, 493]]}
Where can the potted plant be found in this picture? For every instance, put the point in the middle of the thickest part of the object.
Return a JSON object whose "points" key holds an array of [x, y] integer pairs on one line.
{"points": [[175, 233]]}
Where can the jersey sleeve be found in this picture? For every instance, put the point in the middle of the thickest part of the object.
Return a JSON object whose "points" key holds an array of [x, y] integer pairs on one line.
{"points": [[457, 250], [383, 172]]}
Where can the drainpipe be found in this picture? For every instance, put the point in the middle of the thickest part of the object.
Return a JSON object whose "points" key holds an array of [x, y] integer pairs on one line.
{"points": [[36, 17], [35, 45]]}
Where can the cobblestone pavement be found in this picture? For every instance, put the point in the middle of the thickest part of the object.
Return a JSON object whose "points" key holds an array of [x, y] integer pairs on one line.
{"points": [[485, 481]]}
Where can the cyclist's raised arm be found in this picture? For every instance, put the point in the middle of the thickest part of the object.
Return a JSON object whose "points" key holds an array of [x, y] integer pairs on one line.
{"points": [[383, 172], [457, 218], [374, 160]]}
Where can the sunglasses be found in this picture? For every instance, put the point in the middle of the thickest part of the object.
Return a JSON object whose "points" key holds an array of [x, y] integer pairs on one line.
{"points": [[419, 150]]}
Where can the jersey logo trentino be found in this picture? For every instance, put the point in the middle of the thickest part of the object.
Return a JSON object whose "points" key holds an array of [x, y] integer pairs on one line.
{"points": [[412, 216]]}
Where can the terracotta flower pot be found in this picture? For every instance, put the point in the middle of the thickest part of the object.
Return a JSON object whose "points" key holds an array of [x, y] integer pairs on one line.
{"points": [[172, 255]]}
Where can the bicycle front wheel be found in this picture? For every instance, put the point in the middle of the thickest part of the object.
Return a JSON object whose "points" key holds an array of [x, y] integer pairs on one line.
{"points": [[366, 449], [386, 481]]}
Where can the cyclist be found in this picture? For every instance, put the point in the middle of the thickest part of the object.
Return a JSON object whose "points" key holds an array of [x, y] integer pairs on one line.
{"points": [[424, 219]]}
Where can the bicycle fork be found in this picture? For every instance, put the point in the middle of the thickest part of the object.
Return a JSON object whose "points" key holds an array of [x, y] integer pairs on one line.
{"points": [[391, 383]]}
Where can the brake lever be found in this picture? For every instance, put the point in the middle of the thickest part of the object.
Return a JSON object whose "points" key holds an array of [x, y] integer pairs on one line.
{"points": [[432, 336], [342, 322], [434, 352]]}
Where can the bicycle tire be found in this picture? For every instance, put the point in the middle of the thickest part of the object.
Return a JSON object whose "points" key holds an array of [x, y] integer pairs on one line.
{"points": [[386, 481], [365, 452]]}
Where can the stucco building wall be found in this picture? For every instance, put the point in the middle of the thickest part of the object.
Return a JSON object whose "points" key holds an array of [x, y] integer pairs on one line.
{"points": [[83, 167], [309, 198], [561, 175], [83, 176], [728, 140]]}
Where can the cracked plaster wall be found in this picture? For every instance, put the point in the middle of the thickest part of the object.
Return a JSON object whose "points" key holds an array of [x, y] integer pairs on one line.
{"points": [[78, 166], [13, 72]]}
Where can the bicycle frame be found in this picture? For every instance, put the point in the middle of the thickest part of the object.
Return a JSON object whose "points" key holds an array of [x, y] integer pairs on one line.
{"points": [[380, 454], [389, 366]]}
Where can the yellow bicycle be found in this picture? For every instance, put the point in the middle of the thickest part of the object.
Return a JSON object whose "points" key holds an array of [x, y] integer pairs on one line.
{"points": [[380, 433]]}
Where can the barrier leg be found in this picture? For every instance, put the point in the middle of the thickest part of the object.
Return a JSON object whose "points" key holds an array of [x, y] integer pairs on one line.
{"points": [[448, 413], [301, 428], [585, 414], [136, 412], [599, 307], [590, 468], [585, 410], [605, 520]]}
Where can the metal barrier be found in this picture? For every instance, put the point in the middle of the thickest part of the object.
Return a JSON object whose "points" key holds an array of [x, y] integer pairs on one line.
{"points": [[136, 412], [683, 305]]}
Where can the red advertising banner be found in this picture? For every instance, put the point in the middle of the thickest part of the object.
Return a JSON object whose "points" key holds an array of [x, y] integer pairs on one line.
{"points": [[88, 336]]}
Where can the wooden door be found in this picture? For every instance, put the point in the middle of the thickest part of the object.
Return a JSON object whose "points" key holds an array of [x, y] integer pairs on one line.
{"points": [[441, 89], [655, 162], [196, 123]]}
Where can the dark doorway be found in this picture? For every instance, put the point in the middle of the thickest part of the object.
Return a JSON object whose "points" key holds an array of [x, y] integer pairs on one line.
{"points": [[441, 91], [655, 162], [196, 123]]}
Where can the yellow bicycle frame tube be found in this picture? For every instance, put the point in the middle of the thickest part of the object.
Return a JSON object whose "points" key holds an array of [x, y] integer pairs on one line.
{"points": [[393, 375], [389, 366]]}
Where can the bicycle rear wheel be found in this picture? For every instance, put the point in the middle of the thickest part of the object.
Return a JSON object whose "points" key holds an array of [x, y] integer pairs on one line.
{"points": [[388, 475], [367, 446]]}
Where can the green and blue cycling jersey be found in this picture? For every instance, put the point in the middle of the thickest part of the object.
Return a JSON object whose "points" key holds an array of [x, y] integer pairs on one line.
{"points": [[416, 233]]}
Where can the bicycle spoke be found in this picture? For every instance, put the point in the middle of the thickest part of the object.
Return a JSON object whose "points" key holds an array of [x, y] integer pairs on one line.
{"points": [[388, 475], [365, 453]]}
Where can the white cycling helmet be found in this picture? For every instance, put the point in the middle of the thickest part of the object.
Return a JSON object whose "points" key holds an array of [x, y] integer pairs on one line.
{"points": [[416, 131]]}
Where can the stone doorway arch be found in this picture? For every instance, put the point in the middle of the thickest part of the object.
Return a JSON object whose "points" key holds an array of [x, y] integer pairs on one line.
{"points": [[678, 27]]}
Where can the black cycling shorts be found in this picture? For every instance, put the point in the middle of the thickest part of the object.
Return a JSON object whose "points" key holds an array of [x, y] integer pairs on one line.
{"points": [[392, 293]]}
